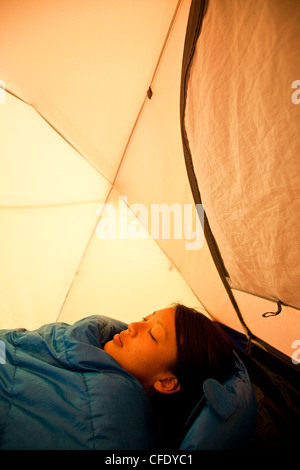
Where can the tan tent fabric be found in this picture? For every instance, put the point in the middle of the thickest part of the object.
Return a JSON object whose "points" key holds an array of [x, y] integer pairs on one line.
{"points": [[243, 130], [81, 73]]}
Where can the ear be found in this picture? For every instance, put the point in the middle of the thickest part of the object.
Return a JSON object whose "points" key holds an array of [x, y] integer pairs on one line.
{"points": [[167, 385]]}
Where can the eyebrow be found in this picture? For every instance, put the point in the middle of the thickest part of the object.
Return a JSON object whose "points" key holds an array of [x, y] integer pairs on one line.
{"points": [[158, 321]]}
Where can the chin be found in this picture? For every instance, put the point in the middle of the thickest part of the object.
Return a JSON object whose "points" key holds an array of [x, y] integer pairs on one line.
{"points": [[107, 346]]}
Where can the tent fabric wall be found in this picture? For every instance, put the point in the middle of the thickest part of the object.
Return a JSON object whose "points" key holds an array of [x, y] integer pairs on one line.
{"points": [[216, 52], [241, 131]]}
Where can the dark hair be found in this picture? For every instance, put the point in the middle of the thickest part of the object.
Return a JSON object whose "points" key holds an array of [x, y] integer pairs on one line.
{"points": [[203, 350]]}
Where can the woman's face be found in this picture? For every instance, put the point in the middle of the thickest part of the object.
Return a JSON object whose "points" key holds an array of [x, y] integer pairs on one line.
{"points": [[147, 349]]}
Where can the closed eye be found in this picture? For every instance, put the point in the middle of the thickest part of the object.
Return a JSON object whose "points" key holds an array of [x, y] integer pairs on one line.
{"points": [[145, 319], [152, 336]]}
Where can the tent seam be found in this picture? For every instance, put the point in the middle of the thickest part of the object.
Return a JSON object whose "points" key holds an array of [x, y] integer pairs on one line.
{"points": [[58, 132]]}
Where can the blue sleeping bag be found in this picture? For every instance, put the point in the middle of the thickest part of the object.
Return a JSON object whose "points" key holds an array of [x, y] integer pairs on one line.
{"points": [[225, 417], [60, 390]]}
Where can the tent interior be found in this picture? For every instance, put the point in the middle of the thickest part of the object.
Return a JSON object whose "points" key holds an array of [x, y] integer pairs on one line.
{"points": [[110, 109]]}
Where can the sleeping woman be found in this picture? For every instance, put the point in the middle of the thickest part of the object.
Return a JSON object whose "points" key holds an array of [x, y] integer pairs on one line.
{"points": [[102, 384]]}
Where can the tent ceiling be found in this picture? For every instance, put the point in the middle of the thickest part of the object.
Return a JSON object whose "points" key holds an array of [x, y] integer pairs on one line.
{"points": [[76, 76], [85, 66]]}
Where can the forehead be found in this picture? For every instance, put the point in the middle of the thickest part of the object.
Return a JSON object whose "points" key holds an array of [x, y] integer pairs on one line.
{"points": [[165, 315]]}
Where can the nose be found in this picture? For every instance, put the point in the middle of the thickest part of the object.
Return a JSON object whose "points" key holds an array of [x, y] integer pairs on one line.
{"points": [[135, 327]]}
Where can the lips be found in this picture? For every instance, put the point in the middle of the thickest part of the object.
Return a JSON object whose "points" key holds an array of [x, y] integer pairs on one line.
{"points": [[117, 339]]}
